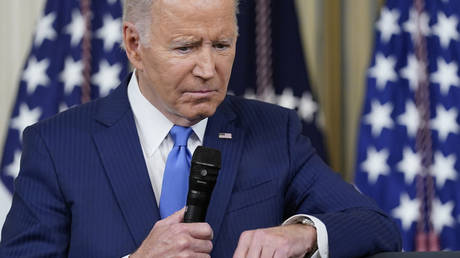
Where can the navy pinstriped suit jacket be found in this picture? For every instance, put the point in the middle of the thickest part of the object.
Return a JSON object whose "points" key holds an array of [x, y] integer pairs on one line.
{"points": [[84, 191]]}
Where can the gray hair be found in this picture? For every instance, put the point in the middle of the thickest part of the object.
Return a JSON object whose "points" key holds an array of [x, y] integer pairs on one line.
{"points": [[139, 12]]}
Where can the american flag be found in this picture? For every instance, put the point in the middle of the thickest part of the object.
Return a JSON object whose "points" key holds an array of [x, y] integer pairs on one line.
{"points": [[409, 140], [75, 57], [269, 63]]}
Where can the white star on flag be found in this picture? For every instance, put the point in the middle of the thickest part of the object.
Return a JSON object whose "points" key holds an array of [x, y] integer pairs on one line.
{"points": [[443, 168], [287, 99], [445, 122], [446, 29], [72, 75], [63, 107], [35, 74], [442, 215], [407, 211], [25, 118], [410, 165], [410, 118], [76, 28], [13, 168], [307, 107], [383, 70], [388, 24], [411, 25], [107, 77], [413, 72], [375, 164], [45, 29], [110, 32], [379, 117], [446, 76]]}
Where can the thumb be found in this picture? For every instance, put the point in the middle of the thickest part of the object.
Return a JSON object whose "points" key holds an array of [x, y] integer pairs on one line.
{"points": [[176, 217]]}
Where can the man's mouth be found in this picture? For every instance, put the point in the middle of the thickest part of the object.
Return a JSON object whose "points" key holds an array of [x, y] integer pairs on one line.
{"points": [[201, 93]]}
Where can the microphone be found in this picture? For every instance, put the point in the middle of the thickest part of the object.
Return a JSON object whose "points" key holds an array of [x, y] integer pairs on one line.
{"points": [[204, 169]]}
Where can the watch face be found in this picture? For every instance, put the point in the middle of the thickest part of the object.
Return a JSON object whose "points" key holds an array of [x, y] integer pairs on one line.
{"points": [[306, 221]]}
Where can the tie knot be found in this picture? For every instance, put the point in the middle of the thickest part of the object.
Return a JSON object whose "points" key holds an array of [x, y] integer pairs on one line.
{"points": [[180, 135]]}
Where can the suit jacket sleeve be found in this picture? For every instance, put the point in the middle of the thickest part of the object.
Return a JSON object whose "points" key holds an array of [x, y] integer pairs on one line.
{"points": [[355, 225], [38, 222]]}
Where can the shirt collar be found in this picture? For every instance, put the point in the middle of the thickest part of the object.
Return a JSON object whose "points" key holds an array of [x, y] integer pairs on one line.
{"points": [[152, 125]]}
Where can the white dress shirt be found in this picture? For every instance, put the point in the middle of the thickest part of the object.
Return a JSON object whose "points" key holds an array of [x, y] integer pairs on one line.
{"points": [[153, 129]]}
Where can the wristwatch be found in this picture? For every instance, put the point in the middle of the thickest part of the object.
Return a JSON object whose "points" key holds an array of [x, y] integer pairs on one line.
{"points": [[304, 221]]}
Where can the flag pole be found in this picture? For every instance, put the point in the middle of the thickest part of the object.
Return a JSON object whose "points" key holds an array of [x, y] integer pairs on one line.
{"points": [[426, 238], [264, 67], [86, 51]]}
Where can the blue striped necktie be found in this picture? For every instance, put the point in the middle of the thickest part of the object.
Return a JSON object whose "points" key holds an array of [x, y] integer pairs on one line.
{"points": [[175, 179]]}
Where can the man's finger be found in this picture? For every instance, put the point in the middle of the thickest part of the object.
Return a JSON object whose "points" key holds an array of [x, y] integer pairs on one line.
{"points": [[254, 250], [202, 256], [243, 244], [268, 251], [176, 217], [256, 244], [200, 230], [201, 246]]}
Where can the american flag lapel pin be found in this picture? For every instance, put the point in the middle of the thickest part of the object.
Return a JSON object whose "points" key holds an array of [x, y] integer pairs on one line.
{"points": [[225, 136]]}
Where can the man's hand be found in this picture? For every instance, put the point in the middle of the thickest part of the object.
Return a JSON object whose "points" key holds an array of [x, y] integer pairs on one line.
{"points": [[294, 240], [172, 238]]}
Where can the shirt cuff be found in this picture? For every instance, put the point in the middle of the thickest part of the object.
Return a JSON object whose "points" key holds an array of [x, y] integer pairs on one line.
{"points": [[321, 234]]}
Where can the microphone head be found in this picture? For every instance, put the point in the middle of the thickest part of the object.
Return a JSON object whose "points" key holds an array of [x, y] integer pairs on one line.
{"points": [[204, 170], [207, 156]]}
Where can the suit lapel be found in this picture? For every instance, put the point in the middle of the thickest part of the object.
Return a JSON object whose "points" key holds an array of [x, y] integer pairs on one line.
{"points": [[121, 154], [224, 121], [118, 144]]}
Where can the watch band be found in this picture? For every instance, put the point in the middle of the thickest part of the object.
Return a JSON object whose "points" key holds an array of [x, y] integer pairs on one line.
{"points": [[304, 221]]}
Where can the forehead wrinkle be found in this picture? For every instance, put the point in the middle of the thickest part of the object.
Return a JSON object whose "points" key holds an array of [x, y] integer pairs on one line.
{"points": [[183, 37], [175, 11], [174, 22], [195, 34], [185, 41]]}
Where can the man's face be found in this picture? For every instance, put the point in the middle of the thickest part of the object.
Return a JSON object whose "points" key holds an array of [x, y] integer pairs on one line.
{"points": [[185, 69]]}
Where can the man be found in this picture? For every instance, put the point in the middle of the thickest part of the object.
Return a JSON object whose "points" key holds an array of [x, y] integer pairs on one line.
{"points": [[93, 179]]}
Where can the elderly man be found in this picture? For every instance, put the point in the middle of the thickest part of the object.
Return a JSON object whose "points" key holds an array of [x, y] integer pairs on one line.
{"points": [[97, 180]]}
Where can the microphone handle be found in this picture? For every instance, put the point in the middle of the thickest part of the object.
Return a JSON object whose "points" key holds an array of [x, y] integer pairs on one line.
{"points": [[195, 213]]}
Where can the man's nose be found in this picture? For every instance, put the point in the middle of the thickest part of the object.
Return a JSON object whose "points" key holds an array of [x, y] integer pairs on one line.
{"points": [[205, 66]]}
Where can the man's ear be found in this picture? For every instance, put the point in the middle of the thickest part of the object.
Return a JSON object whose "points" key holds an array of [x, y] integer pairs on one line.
{"points": [[131, 41]]}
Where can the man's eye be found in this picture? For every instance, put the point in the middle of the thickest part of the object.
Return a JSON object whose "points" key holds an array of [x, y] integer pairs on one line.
{"points": [[184, 50], [221, 46]]}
